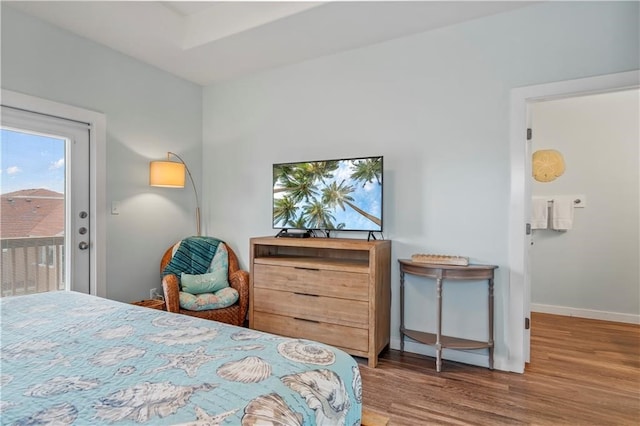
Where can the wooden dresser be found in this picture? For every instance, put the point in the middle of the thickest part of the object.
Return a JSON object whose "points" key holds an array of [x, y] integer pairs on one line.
{"points": [[331, 290]]}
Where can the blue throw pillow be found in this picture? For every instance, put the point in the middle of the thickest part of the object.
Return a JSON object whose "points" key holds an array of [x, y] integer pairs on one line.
{"points": [[216, 278], [205, 283]]}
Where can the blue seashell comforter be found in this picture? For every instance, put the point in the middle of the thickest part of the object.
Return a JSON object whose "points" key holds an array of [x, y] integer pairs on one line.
{"points": [[73, 359]]}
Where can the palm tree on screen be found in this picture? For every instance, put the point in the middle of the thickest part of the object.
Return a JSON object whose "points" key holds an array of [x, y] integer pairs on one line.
{"points": [[299, 186], [338, 195], [284, 210], [281, 172], [321, 170], [299, 223], [318, 215], [367, 170]]}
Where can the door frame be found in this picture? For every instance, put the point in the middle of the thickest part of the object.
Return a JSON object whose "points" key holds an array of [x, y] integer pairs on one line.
{"points": [[520, 196], [97, 174]]}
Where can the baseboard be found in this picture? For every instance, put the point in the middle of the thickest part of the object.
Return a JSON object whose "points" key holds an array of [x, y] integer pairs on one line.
{"points": [[585, 313]]}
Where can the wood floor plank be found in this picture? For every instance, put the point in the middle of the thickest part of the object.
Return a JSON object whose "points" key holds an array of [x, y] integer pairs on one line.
{"points": [[582, 372]]}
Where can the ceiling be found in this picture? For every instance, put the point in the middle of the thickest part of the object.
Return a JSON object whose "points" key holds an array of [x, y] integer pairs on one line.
{"points": [[209, 41]]}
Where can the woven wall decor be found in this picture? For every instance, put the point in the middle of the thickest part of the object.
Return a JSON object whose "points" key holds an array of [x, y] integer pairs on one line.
{"points": [[548, 164]]}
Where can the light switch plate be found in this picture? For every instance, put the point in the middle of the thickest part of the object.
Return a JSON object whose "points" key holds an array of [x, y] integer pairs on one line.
{"points": [[115, 207]]}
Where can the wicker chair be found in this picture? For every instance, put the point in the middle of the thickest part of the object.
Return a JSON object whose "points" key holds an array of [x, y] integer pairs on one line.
{"points": [[238, 279]]}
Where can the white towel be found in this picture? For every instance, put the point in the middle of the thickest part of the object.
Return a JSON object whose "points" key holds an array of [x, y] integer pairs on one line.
{"points": [[539, 213], [562, 213]]}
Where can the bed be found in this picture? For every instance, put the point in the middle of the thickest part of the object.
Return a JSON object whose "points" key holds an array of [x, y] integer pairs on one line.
{"points": [[72, 358]]}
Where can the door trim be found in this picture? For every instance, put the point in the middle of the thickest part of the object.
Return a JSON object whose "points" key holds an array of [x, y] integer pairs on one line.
{"points": [[520, 197], [97, 177]]}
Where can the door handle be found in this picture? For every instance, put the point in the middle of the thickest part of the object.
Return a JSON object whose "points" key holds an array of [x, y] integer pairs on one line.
{"points": [[83, 245]]}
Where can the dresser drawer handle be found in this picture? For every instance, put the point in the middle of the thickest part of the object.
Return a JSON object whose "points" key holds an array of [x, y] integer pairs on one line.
{"points": [[307, 320], [306, 269], [306, 294]]}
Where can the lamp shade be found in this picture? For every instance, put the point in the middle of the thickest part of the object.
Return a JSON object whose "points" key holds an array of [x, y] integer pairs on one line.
{"points": [[168, 174]]}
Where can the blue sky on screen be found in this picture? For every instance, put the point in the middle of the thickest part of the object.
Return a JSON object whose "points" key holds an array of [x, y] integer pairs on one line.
{"points": [[31, 161]]}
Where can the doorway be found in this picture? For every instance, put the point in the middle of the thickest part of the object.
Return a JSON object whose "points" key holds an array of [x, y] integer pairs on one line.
{"points": [[590, 269], [45, 203], [78, 137], [518, 308]]}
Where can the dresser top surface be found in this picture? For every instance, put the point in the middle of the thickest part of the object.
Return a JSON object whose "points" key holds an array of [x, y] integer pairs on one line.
{"points": [[321, 242]]}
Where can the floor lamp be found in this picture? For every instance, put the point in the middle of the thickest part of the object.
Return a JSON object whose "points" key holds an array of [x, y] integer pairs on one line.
{"points": [[170, 174]]}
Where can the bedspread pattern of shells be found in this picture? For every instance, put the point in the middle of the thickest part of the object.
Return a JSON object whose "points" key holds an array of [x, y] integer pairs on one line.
{"points": [[300, 382]]}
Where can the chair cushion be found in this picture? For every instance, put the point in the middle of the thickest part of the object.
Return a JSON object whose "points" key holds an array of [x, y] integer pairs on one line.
{"points": [[206, 301], [213, 280]]}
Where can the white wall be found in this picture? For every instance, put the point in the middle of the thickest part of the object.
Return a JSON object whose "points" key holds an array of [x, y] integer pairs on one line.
{"points": [[592, 269], [148, 112], [436, 105]]}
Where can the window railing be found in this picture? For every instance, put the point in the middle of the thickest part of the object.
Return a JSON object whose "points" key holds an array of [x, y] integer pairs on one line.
{"points": [[32, 265]]}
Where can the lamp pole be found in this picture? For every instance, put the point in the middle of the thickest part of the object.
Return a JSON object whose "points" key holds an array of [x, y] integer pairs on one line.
{"points": [[194, 189]]}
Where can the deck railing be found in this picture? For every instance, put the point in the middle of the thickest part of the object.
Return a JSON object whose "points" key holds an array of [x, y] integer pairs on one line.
{"points": [[32, 265]]}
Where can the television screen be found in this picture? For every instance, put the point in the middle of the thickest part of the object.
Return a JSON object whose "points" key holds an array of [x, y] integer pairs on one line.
{"points": [[341, 194]]}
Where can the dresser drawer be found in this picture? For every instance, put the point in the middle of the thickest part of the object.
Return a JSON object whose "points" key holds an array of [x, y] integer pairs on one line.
{"points": [[352, 313], [332, 334], [345, 285]]}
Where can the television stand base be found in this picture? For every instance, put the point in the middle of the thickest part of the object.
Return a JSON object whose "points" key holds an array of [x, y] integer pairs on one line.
{"points": [[371, 236], [295, 233]]}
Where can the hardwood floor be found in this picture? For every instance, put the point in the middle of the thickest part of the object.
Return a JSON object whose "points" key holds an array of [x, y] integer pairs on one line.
{"points": [[582, 372]]}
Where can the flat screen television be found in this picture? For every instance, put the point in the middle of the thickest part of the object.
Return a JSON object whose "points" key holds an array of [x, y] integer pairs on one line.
{"points": [[341, 195]]}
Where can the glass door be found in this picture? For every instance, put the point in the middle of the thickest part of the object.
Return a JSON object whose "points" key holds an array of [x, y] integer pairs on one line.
{"points": [[44, 188]]}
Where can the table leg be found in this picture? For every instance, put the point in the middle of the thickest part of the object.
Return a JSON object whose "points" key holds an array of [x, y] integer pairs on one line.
{"points": [[401, 310], [439, 325], [491, 343]]}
